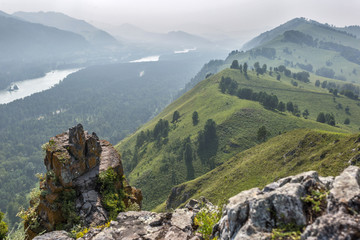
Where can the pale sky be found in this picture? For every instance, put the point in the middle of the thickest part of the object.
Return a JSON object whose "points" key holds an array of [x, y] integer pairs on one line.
{"points": [[166, 15]]}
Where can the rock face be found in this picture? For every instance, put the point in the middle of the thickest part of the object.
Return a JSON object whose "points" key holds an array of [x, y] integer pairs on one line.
{"points": [[253, 214], [178, 225], [71, 188]]}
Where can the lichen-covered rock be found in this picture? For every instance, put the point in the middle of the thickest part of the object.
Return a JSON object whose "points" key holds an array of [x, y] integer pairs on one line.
{"points": [[255, 213], [71, 191]]}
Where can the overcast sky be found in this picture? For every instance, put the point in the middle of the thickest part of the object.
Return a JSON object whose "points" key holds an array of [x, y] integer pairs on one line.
{"points": [[227, 15]]}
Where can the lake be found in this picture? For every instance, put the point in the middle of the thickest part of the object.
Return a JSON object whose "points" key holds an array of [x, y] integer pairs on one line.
{"points": [[31, 86]]}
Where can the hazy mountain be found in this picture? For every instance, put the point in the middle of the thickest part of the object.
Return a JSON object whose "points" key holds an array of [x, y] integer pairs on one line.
{"points": [[306, 26], [3, 14], [174, 40], [21, 39], [307, 45], [28, 50], [355, 30], [64, 22]]}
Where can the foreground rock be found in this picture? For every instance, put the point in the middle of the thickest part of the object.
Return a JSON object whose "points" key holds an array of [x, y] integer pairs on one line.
{"points": [[72, 191], [178, 225], [322, 208]]}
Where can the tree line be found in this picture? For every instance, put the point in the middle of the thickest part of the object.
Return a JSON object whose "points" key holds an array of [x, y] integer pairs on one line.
{"points": [[347, 89]]}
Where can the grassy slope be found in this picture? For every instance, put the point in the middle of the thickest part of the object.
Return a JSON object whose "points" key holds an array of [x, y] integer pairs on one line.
{"points": [[238, 120], [309, 55], [288, 154]]}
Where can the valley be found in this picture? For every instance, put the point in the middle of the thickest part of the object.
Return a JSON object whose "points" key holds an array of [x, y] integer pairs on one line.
{"points": [[189, 117]]}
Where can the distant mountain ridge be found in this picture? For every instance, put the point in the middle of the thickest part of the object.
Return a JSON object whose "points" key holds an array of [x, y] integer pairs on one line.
{"points": [[131, 34], [29, 50], [304, 44], [355, 30], [300, 24], [67, 23], [19, 38]]}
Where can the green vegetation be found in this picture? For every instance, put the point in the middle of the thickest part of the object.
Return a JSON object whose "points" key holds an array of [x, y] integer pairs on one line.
{"points": [[316, 198], [29, 216], [205, 220], [306, 45], [315, 202], [288, 154], [262, 134], [79, 231], [3, 227], [155, 168], [195, 118], [176, 117], [326, 118], [288, 231], [67, 202], [112, 196]]}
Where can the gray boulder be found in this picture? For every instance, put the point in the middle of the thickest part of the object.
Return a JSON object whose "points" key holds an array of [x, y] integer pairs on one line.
{"points": [[254, 213]]}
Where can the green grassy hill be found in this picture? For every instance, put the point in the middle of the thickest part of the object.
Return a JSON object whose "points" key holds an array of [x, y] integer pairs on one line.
{"points": [[285, 155], [157, 166], [323, 50]]}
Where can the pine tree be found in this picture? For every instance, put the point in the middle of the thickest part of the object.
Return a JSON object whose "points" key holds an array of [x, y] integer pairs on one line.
{"points": [[195, 118]]}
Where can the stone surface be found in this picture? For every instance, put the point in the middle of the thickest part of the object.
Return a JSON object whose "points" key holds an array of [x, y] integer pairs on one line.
{"points": [[136, 225], [333, 226], [74, 160], [148, 225], [58, 235], [254, 213]]}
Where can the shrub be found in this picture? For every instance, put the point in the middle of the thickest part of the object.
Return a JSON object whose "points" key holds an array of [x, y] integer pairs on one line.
{"points": [[205, 219], [112, 198], [3, 227], [287, 231]]}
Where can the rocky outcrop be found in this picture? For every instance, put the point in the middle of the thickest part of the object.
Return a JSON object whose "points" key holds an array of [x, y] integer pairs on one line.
{"points": [[178, 225], [71, 190], [322, 208]]}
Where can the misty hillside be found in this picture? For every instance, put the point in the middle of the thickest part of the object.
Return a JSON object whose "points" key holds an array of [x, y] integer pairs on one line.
{"points": [[322, 32], [322, 55], [354, 30], [21, 39], [29, 50], [61, 21], [312, 47]]}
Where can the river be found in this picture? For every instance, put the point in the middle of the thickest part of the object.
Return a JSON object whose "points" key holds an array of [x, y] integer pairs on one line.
{"points": [[31, 86]]}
